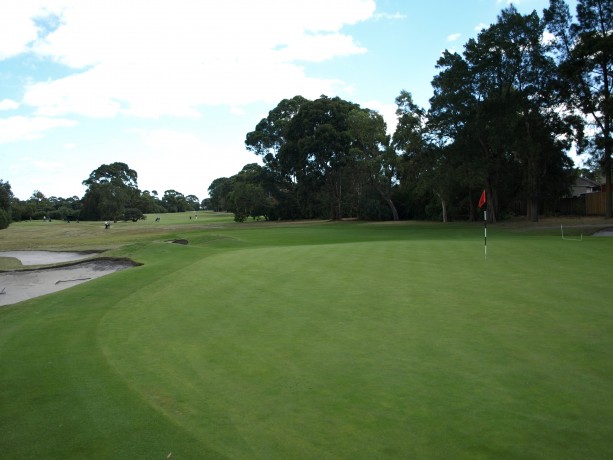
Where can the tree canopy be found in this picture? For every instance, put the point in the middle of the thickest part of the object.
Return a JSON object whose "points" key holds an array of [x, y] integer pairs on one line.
{"points": [[325, 158], [585, 55], [6, 196], [499, 120]]}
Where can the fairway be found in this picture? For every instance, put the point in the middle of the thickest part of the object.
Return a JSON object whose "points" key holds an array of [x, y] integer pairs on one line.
{"points": [[318, 340]]}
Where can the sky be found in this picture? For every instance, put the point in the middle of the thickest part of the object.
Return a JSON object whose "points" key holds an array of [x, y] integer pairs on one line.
{"points": [[171, 88]]}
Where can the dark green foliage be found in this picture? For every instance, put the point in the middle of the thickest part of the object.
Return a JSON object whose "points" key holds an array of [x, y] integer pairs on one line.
{"points": [[149, 203], [321, 159], [493, 104], [133, 214], [111, 189], [174, 201], [496, 122], [585, 57], [218, 192], [5, 219], [6, 196]]}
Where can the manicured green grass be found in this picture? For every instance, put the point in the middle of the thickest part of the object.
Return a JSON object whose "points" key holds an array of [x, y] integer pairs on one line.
{"points": [[319, 340]]}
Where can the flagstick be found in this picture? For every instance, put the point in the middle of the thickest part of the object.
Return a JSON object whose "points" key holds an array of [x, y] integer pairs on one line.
{"points": [[485, 231]]}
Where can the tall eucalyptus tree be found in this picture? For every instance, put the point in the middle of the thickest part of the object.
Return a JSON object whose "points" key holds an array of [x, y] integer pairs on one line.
{"points": [[585, 55]]}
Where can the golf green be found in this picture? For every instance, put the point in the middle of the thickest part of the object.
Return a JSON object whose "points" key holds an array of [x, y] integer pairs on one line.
{"points": [[321, 340]]}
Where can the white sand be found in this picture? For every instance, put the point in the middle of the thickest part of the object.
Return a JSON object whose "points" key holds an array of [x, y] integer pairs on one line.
{"points": [[16, 286], [45, 257]]}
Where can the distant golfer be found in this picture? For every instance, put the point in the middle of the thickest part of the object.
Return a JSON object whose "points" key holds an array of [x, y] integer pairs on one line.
{"points": [[107, 225]]}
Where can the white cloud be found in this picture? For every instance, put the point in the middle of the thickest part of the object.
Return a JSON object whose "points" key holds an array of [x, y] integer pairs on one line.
{"points": [[20, 128], [84, 93], [184, 161], [50, 176], [148, 59], [17, 28], [45, 165], [318, 48], [479, 27], [8, 104], [166, 140], [394, 16], [453, 37]]}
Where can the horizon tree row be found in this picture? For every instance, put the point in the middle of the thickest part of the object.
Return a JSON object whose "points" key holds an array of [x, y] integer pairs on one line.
{"points": [[112, 194]]}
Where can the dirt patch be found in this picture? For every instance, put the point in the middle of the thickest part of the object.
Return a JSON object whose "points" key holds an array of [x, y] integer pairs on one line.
{"points": [[16, 286]]}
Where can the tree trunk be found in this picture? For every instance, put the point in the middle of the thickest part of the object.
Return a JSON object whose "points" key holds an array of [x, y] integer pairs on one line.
{"points": [[389, 202], [532, 209], [392, 206], [607, 173]]}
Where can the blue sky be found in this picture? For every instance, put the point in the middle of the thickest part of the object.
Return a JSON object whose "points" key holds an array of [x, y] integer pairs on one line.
{"points": [[172, 87]]}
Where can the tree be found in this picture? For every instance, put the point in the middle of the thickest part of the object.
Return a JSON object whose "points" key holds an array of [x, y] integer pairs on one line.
{"points": [[6, 196], [270, 133], [494, 101], [118, 174], [516, 74], [174, 201], [193, 202], [248, 200], [206, 204], [372, 152], [410, 140], [326, 157], [41, 205], [133, 214], [585, 56], [111, 189], [316, 154], [245, 194], [452, 122], [149, 203], [218, 192]]}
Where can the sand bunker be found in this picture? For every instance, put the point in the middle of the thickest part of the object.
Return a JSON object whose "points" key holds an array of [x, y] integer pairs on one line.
{"points": [[45, 257], [16, 286]]}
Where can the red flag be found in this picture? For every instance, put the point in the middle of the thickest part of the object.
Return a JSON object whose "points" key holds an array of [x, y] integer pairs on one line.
{"points": [[482, 200]]}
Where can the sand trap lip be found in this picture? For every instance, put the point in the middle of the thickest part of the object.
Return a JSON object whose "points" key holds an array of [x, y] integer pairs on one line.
{"points": [[16, 286], [45, 257]]}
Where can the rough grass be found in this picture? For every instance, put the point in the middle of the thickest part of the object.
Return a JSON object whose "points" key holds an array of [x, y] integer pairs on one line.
{"points": [[320, 340]]}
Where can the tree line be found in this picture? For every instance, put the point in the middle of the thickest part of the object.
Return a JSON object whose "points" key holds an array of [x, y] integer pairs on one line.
{"points": [[504, 115], [112, 194]]}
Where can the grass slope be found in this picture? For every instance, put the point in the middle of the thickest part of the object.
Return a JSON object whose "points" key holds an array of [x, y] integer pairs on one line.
{"points": [[345, 340]]}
